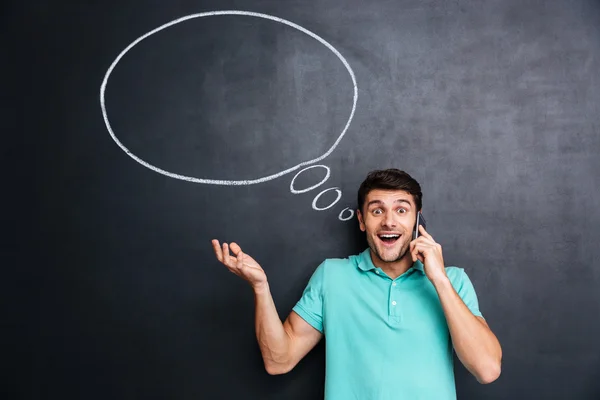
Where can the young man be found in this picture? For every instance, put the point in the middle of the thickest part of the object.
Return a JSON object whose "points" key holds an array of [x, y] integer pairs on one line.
{"points": [[392, 315]]}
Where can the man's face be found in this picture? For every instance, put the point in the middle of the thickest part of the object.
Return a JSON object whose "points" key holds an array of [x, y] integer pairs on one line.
{"points": [[388, 218]]}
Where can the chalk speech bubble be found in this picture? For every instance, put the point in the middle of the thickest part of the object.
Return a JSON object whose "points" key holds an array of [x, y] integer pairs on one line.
{"points": [[217, 181]]}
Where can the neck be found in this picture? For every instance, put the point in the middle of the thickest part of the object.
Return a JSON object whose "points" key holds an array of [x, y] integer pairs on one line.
{"points": [[393, 269]]}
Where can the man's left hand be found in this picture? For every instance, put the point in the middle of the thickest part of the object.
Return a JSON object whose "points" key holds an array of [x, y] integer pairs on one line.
{"points": [[426, 250]]}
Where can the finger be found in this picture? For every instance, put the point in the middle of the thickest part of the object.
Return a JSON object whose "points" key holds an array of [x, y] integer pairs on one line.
{"points": [[416, 255], [412, 250], [425, 240], [428, 245], [235, 248], [425, 233], [226, 256], [422, 247], [217, 249], [420, 250], [240, 260]]}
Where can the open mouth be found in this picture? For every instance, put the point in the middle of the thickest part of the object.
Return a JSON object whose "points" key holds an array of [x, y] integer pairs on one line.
{"points": [[389, 238]]}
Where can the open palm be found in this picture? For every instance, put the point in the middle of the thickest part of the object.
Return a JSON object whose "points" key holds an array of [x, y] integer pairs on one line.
{"points": [[240, 263]]}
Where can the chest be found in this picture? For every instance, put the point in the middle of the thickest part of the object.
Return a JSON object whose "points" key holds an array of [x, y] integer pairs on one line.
{"points": [[380, 307]]}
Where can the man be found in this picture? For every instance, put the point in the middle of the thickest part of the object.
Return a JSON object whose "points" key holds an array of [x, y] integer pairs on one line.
{"points": [[392, 315]]}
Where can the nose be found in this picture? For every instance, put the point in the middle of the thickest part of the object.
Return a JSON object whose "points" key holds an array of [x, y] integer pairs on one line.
{"points": [[388, 220]]}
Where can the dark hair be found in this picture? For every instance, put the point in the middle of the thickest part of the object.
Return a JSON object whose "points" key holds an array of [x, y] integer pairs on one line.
{"points": [[390, 179]]}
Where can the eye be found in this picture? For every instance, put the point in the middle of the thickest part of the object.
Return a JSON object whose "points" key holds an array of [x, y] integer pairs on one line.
{"points": [[402, 210], [377, 211]]}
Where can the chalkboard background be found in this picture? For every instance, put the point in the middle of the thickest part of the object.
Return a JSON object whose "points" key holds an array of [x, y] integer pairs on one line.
{"points": [[110, 287]]}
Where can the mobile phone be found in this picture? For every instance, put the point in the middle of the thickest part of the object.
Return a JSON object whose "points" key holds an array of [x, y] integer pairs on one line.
{"points": [[420, 221]]}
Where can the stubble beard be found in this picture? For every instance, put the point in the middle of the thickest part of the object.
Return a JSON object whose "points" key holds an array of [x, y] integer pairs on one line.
{"points": [[392, 257]]}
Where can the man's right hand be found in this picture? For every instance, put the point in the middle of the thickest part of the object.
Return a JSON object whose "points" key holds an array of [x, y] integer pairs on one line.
{"points": [[282, 345], [240, 264]]}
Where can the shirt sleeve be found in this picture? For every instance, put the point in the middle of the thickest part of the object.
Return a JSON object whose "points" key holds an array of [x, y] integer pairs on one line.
{"points": [[310, 305], [467, 293]]}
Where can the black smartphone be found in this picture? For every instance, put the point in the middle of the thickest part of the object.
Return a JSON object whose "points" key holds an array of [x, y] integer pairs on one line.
{"points": [[420, 221]]}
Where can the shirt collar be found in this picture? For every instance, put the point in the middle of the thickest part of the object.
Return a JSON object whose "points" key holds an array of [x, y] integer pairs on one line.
{"points": [[365, 262]]}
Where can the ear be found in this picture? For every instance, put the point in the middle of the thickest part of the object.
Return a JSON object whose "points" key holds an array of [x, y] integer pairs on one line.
{"points": [[361, 222]]}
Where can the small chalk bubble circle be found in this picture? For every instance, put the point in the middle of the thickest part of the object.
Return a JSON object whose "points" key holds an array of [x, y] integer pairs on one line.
{"points": [[342, 218], [314, 203], [308, 189]]}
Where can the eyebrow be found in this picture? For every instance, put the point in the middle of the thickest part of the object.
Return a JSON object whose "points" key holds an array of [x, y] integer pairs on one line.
{"points": [[372, 202]]}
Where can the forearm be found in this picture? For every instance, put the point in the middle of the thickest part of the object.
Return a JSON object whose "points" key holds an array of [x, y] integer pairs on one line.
{"points": [[273, 340], [475, 344]]}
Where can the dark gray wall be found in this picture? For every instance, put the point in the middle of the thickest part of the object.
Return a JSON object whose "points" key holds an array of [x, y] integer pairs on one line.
{"points": [[111, 288]]}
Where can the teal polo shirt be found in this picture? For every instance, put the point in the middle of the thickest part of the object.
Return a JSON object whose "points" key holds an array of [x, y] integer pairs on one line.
{"points": [[386, 339]]}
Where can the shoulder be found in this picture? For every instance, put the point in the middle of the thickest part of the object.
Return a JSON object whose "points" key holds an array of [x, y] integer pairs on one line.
{"points": [[457, 276], [464, 288], [455, 273], [336, 266], [460, 280]]}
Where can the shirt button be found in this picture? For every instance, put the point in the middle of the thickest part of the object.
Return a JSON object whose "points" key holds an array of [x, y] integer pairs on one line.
{"points": [[377, 271], [394, 284], [394, 302]]}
